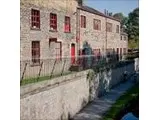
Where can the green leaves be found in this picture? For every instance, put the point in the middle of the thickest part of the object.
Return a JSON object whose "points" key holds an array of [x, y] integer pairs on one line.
{"points": [[133, 26], [130, 25]]}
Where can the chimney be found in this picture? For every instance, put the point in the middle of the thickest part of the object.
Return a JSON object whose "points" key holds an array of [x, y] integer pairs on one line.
{"points": [[80, 2], [105, 11]]}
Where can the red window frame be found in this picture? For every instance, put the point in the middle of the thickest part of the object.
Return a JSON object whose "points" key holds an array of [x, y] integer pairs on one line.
{"points": [[83, 21], [67, 24], [117, 29], [121, 37], [96, 53], [53, 22], [96, 24], [35, 18], [58, 50], [36, 52]]}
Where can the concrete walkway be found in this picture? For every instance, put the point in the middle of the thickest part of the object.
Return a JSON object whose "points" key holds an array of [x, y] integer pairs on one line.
{"points": [[96, 109]]}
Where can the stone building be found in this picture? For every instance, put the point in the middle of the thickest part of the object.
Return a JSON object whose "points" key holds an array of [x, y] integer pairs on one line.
{"points": [[53, 29], [101, 31], [45, 23], [47, 32]]}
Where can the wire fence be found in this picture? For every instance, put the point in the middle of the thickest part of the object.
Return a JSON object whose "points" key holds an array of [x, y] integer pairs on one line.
{"points": [[48, 68]]}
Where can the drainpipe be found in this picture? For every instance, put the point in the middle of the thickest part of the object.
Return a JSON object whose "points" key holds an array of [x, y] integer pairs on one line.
{"points": [[106, 13], [78, 30]]}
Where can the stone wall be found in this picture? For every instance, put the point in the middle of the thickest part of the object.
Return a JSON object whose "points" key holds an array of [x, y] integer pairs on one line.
{"points": [[55, 99], [95, 38], [100, 39], [61, 98]]}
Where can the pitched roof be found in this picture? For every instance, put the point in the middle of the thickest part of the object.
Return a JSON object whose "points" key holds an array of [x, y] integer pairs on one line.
{"points": [[94, 11]]}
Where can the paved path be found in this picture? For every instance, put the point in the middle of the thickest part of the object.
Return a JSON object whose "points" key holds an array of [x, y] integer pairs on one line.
{"points": [[96, 109]]}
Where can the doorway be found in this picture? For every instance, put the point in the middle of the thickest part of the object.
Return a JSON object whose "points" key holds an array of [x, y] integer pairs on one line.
{"points": [[72, 53]]}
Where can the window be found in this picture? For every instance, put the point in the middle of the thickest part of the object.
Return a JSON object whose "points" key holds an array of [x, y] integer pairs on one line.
{"points": [[96, 24], [36, 52], [121, 37], [109, 51], [53, 22], [120, 51], [117, 29], [109, 27], [83, 21], [125, 38], [67, 26], [35, 18], [114, 50], [124, 50], [117, 50], [96, 53], [55, 48]]}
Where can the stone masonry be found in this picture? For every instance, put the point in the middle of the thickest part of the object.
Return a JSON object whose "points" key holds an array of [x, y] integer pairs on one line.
{"points": [[97, 39], [60, 7], [62, 97]]}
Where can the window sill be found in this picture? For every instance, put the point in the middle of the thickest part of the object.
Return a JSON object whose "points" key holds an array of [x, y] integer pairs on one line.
{"points": [[38, 29], [67, 32], [35, 64], [97, 30], [53, 30]]}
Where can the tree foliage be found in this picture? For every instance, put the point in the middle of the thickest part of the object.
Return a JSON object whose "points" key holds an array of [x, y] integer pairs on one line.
{"points": [[122, 18], [133, 25], [130, 25]]}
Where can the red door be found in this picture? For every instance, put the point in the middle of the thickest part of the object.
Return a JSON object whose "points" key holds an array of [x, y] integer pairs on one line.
{"points": [[73, 53]]}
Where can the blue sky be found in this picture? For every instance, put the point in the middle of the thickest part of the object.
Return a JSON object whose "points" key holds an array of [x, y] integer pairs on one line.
{"points": [[114, 6]]}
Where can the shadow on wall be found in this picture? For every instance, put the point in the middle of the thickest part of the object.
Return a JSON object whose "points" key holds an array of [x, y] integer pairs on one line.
{"points": [[69, 116], [100, 82]]}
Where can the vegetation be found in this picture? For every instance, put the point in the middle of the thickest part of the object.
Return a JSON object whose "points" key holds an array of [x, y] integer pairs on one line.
{"points": [[132, 56], [41, 78], [123, 102], [130, 25]]}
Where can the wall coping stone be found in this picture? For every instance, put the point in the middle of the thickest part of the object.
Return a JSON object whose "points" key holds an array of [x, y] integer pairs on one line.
{"points": [[35, 88]]}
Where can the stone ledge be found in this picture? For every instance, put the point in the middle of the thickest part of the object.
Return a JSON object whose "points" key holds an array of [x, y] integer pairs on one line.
{"points": [[34, 88]]}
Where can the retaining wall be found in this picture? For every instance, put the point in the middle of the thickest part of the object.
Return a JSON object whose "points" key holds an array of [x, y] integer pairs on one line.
{"points": [[61, 98]]}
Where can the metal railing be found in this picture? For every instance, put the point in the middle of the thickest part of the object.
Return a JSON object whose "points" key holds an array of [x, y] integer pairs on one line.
{"points": [[49, 68]]}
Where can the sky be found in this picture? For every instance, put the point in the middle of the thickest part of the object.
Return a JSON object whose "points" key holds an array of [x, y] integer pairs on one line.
{"points": [[114, 6]]}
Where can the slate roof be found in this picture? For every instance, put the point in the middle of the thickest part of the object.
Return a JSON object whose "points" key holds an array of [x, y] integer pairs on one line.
{"points": [[94, 11]]}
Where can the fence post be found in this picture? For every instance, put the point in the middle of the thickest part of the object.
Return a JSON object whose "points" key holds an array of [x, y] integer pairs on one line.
{"points": [[23, 72], [63, 66], [40, 71], [53, 68]]}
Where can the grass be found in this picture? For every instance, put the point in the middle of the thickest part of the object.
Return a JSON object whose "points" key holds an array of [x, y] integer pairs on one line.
{"points": [[121, 102], [42, 78], [95, 68], [133, 44]]}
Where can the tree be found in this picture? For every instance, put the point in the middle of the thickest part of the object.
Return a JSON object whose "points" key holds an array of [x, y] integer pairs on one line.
{"points": [[133, 25], [122, 18]]}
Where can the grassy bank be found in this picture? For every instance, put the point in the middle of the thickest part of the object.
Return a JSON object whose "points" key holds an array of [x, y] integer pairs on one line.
{"points": [[122, 102]]}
